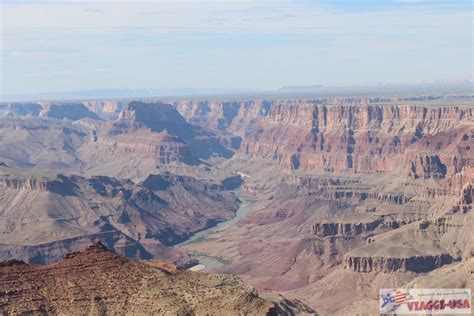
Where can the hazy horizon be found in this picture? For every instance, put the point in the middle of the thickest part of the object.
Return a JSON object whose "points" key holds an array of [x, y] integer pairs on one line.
{"points": [[58, 46], [441, 88]]}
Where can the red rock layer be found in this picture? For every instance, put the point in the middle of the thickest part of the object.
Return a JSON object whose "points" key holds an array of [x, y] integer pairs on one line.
{"points": [[431, 141]]}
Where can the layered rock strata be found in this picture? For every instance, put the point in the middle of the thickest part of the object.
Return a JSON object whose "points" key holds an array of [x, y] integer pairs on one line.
{"points": [[418, 264], [362, 138]]}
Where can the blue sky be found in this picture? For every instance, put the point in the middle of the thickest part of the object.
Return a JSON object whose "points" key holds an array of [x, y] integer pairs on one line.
{"points": [[51, 46]]}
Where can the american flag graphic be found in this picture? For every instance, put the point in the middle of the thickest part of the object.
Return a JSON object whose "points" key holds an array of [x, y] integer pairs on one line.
{"points": [[400, 297]]}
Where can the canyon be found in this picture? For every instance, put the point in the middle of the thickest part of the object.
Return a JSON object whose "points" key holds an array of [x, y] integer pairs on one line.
{"points": [[347, 192], [372, 193]]}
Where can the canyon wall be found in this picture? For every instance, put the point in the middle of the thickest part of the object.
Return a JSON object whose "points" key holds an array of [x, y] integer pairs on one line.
{"points": [[430, 141], [417, 264]]}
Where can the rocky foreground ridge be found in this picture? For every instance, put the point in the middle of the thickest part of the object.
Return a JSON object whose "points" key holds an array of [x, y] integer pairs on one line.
{"points": [[97, 281]]}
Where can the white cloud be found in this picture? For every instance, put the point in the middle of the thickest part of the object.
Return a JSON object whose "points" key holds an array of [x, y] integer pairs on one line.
{"points": [[57, 20]]}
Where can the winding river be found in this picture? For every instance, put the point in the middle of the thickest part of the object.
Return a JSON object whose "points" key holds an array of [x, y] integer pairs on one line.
{"points": [[208, 261]]}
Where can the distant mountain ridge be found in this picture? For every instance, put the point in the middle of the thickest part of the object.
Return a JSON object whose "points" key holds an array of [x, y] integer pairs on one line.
{"points": [[116, 94], [294, 91]]}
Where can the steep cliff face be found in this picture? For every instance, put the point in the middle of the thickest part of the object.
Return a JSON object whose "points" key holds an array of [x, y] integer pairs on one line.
{"points": [[163, 149], [356, 228], [214, 115], [417, 264], [354, 189], [362, 138], [25, 184], [427, 167], [451, 185], [158, 117], [61, 185], [139, 146]]}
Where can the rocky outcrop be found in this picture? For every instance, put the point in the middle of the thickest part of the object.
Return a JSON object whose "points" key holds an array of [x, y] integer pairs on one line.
{"points": [[355, 228], [25, 184], [61, 185], [291, 307], [162, 148], [418, 264], [71, 111], [427, 167], [467, 194], [158, 117], [334, 188], [98, 281], [166, 180], [453, 185]]}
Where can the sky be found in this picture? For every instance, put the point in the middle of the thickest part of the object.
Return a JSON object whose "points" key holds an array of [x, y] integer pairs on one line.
{"points": [[52, 46]]}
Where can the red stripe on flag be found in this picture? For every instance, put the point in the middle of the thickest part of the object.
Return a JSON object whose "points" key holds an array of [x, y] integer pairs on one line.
{"points": [[399, 297]]}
